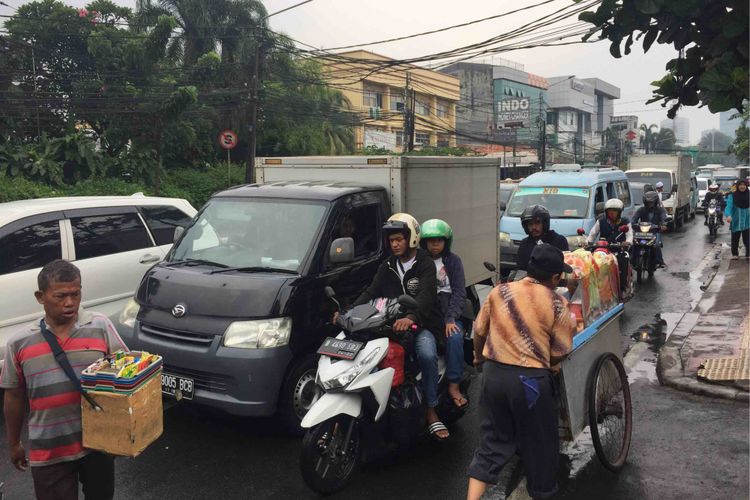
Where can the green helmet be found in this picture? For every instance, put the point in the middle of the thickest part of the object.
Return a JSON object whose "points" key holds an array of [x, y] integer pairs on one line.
{"points": [[437, 228]]}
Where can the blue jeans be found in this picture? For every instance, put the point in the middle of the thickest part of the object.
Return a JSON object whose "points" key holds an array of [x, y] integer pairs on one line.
{"points": [[426, 348], [454, 355], [427, 356]]}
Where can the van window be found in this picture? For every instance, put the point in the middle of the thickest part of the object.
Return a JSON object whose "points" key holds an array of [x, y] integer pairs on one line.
{"points": [[623, 192], [362, 225], [611, 191], [162, 220], [562, 202], [30, 247], [99, 235], [599, 195]]}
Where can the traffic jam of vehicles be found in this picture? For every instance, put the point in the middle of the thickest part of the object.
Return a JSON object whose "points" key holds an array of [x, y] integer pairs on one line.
{"points": [[302, 296]]}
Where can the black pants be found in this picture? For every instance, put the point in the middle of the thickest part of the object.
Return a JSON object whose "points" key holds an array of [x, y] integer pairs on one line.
{"points": [[516, 418], [95, 471], [745, 241]]}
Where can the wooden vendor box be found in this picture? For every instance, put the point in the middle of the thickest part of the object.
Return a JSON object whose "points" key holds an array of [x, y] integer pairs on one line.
{"points": [[128, 423]]}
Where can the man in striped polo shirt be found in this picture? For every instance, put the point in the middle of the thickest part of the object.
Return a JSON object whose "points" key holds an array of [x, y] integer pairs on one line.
{"points": [[33, 378]]}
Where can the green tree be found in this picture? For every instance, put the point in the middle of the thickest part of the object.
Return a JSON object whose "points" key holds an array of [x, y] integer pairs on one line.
{"points": [[648, 137], [712, 35], [740, 146], [665, 141]]}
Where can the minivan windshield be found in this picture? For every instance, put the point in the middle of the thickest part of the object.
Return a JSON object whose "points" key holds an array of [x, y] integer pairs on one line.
{"points": [[562, 202], [251, 233], [652, 178], [702, 184]]}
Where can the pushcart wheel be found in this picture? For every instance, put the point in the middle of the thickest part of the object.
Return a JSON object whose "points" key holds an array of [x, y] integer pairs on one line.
{"points": [[610, 411]]}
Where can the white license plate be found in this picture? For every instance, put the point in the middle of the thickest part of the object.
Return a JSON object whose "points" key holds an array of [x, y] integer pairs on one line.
{"points": [[177, 387]]}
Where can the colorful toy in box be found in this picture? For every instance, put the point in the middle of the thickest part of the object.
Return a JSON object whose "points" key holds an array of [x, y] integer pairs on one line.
{"points": [[121, 372]]}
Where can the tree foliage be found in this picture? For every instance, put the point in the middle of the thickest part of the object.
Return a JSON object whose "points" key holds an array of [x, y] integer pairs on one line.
{"points": [[712, 34], [140, 92], [739, 146]]}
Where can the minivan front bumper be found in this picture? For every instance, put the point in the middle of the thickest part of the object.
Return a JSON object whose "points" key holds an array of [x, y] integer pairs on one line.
{"points": [[243, 382]]}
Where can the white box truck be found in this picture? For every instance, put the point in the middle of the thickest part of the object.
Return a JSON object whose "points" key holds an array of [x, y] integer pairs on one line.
{"points": [[674, 172]]}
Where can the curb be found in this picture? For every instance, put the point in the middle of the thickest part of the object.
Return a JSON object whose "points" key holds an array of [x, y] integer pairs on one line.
{"points": [[669, 367]]}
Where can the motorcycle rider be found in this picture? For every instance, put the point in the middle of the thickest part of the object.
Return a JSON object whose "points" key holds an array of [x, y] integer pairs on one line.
{"points": [[607, 227], [411, 270], [714, 194], [535, 220], [660, 191], [652, 212], [437, 238]]}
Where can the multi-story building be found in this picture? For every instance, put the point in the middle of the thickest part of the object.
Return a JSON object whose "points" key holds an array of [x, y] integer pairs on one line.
{"points": [[681, 128], [727, 126], [501, 105], [579, 110], [376, 89]]}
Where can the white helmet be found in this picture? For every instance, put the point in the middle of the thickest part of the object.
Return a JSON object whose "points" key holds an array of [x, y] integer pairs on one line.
{"points": [[614, 204], [659, 184], [404, 223]]}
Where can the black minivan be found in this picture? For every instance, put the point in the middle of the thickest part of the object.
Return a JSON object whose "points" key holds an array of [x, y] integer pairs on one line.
{"points": [[237, 309]]}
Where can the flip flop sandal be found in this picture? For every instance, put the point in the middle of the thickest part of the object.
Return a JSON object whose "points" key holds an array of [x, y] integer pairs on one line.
{"points": [[456, 403], [436, 427]]}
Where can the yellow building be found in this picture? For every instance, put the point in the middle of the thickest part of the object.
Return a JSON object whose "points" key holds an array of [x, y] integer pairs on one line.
{"points": [[377, 91]]}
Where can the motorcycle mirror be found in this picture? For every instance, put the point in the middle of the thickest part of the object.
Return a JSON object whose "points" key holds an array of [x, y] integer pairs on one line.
{"points": [[330, 292], [624, 228], [407, 302], [490, 266], [581, 231]]}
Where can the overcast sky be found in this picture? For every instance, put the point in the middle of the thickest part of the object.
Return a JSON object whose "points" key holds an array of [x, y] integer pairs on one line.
{"points": [[332, 23]]}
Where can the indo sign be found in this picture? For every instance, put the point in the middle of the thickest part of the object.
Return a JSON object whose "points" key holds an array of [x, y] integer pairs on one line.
{"points": [[513, 110]]}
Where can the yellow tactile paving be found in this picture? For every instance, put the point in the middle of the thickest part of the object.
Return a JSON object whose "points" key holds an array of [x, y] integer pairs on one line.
{"points": [[724, 369]]}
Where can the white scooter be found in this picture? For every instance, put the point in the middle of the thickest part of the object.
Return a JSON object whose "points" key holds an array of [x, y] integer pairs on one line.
{"points": [[351, 421]]}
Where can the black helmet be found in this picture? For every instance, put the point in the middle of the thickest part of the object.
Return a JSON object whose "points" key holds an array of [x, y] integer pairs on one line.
{"points": [[650, 199], [535, 212], [648, 187]]}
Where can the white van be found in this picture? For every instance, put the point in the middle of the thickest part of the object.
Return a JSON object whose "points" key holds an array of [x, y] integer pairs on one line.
{"points": [[113, 240]]}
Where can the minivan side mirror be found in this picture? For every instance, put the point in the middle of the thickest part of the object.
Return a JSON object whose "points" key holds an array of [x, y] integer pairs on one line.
{"points": [[490, 266], [674, 188], [341, 251], [177, 233], [503, 206]]}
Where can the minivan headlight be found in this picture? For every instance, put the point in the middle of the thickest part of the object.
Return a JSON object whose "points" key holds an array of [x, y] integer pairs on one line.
{"points": [[258, 334], [129, 313], [504, 238]]}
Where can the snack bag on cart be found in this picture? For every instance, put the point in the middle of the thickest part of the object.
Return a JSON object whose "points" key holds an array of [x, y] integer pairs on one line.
{"points": [[577, 300], [590, 292], [607, 293]]}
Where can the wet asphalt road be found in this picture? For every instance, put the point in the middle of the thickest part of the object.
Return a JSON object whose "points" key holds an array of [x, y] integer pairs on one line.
{"points": [[683, 446]]}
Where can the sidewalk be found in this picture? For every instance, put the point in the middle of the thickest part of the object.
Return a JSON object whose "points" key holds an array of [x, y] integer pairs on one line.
{"points": [[708, 353]]}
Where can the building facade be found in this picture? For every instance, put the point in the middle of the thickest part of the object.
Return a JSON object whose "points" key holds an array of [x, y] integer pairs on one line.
{"points": [[579, 112], [377, 91], [681, 128], [502, 109]]}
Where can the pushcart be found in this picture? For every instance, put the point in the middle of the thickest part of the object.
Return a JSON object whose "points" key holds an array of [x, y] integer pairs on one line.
{"points": [[594, 390]]}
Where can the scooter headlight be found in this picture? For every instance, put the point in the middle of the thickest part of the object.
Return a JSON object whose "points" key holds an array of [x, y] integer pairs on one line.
{"points": [[347, 376]]}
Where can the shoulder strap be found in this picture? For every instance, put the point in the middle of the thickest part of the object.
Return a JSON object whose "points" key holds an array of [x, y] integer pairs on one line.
{"points": [[62, 360]]}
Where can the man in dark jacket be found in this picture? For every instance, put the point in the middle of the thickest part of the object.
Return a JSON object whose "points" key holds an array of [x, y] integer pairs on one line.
{"points": [[410, 270], [714, 194], [536, 221]]}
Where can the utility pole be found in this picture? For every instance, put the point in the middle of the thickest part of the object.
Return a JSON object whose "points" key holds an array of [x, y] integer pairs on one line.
{"points": [[543, 132], [250, 167], [409, 118]]}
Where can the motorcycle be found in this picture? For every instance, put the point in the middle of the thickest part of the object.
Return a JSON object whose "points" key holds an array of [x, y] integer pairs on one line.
{"points": [[364, 412], [644, 253], [623, 259], [713, 219]]}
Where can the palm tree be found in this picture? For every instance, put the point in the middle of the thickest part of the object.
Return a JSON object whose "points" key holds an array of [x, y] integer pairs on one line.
{"points": [[225, 26], [648, 138], [665, 141]]}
